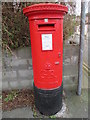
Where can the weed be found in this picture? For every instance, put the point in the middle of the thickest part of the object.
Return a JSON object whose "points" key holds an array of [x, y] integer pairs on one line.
{"points": [[34, 112], [0, 97], [11, 96], [52, 116]]}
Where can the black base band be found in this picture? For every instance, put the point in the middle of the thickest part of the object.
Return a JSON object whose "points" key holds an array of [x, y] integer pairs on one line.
{"points": [[48, 102]]}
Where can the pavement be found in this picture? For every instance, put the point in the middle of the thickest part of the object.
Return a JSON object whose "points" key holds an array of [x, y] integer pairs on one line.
{"points": [[73, 107], [77, 105], [25, 112]]}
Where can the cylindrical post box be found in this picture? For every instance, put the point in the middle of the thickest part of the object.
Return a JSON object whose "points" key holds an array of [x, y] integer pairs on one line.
{"points": [[46, 33]]}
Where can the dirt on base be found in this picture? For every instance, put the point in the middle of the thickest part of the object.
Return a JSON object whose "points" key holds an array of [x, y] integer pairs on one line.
{"points": [[21, 98]]}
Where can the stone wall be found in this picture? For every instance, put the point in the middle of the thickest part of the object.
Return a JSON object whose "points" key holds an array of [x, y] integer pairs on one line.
{"points": [[18, 71]]}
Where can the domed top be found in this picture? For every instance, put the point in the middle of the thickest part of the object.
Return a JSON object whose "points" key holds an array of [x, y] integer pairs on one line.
{"points": [[45, 7]]}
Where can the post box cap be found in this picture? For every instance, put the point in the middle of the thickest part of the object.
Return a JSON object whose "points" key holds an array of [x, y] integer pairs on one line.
{"points": [[45, 7]]}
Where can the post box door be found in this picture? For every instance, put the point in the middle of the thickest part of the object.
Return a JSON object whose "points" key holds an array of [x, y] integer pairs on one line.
{"points": [[47, 47]]}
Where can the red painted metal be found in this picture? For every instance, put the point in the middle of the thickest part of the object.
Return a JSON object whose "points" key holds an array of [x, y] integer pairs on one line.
{"points": [[46, 33]]}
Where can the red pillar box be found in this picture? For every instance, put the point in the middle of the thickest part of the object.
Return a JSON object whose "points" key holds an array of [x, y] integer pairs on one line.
{"points": [[46, 33]]}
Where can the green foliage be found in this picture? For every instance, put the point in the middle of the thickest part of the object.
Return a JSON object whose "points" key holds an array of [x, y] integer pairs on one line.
{"points": [[52, 116], [11, 96], [34, 112], [0, 97]]}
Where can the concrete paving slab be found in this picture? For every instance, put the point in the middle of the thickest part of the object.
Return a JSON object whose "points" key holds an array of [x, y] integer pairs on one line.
{"points": [[18, 113], [77, 105]]}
